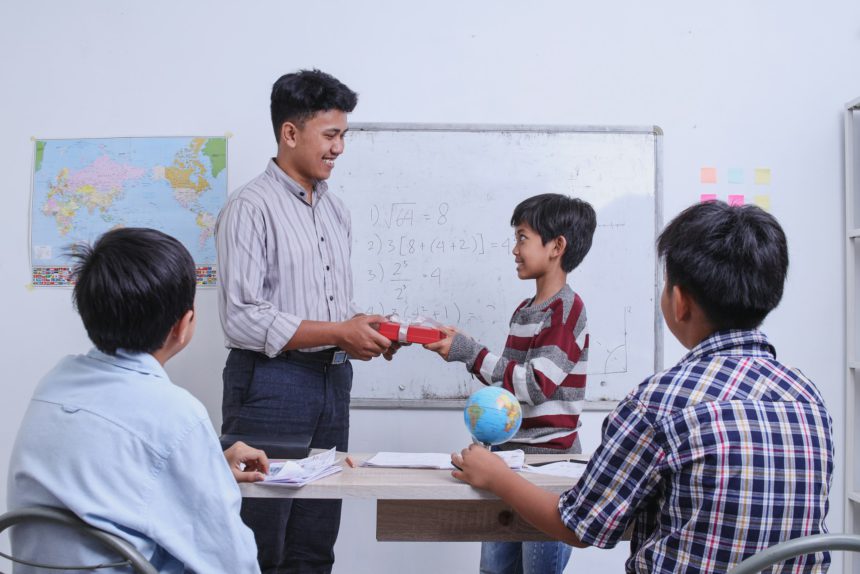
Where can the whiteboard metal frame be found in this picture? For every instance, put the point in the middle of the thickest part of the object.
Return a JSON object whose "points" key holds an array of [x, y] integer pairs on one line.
{"points": [[852, 366], [656, 131]]}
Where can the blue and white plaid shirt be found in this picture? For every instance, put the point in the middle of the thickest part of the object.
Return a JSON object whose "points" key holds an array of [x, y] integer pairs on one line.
{"points": [[723, 455]]}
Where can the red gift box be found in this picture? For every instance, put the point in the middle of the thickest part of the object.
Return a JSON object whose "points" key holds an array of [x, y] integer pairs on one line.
{"points": [[414, 333]]}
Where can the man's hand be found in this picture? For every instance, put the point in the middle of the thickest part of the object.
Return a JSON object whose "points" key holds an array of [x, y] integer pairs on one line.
{"points": [[443, 346], [246, 463], [359, 338], [479, 467]]}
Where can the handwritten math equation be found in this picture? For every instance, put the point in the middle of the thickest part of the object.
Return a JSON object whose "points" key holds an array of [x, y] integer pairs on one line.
{"points": [[413, 253]]}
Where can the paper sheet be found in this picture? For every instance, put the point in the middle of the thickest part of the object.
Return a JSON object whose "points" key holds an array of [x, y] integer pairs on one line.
{"points": [[562, 468], [514, 459]]}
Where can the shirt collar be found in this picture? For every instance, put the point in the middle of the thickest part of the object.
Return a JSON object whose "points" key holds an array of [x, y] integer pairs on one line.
{"points": [[566, 290], [737, 342], [274, 170], [140, 362]]}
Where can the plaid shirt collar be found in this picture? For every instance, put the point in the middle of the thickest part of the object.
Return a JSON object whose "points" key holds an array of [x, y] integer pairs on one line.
{"points": [[734, 342]]}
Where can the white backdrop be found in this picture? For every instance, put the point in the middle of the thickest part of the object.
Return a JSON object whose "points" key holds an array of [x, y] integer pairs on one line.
{"points": [[734, 84]]}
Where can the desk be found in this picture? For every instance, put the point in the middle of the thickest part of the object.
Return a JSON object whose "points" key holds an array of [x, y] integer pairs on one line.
{"points": [[423, 504]]}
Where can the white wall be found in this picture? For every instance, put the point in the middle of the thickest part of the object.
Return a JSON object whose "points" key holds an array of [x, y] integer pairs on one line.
{"points": [[732, 84]]}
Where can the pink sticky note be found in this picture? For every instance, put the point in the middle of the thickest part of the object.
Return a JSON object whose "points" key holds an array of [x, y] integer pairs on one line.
{"points": [[708, 197], [708, 175], [736, 200]]}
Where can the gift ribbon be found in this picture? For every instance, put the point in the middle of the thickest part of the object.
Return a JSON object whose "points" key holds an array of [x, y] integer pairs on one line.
{"points": [[401, 333]]}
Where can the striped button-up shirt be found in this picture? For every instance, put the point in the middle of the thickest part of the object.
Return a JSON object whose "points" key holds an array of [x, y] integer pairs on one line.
{"points": [[544, 364], [727, 453], [281, 260]]}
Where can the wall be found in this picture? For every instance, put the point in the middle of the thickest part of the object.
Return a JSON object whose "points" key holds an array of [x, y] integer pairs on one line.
{"points": [[731, 84]]}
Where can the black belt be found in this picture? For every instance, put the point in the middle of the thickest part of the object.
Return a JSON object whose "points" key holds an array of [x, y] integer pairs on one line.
{"points": [[333, 356]]}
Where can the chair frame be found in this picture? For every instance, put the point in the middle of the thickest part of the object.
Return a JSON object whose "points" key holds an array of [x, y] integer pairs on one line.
{"points": [[797, 547], [131, 557]]}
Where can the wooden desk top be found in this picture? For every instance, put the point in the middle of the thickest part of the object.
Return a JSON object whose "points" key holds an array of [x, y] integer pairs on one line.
{"points": [[401, 483]]}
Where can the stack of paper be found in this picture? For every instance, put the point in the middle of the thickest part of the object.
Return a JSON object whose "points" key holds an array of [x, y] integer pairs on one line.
{"points": [[296, 473], [513, 458]]}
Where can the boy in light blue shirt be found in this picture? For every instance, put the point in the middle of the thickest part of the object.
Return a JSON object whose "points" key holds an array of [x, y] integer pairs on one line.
{"points": [[109, 437]]}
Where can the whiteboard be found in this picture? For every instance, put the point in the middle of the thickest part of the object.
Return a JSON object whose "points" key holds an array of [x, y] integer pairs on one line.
{"points": [[431, 208]]}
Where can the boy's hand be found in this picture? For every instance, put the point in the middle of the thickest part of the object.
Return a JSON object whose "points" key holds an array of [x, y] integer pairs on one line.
{"points": [[395, 346], [247, 464], [443, 346], [479, 467]]}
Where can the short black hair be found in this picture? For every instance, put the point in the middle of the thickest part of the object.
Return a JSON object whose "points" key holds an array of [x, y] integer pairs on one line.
{"points": [[298, 96], [554, 215], [732, 260], [131, 288]]}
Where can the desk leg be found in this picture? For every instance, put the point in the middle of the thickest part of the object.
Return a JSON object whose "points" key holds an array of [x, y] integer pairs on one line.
{"points": [[451, 521]]}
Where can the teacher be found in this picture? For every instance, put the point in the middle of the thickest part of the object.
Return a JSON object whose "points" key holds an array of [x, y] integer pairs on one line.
{"points": [[285, 298]]}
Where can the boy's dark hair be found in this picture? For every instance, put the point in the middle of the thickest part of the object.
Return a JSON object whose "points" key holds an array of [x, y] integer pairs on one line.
{"points": [[132, 287], [298, 96], [731, 260], [553, 215]]}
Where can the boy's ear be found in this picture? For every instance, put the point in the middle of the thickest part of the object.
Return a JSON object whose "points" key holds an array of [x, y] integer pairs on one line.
{"points": [[681, 304], [182, 330], [289, 131], [560, 244]]}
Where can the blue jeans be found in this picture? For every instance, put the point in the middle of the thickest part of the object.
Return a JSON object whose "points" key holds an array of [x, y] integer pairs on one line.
{"points": [[271, 397], [524, 557]]}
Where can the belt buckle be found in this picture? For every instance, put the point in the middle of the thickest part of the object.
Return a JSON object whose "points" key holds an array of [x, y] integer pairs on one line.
{"points": [[339, 357]]}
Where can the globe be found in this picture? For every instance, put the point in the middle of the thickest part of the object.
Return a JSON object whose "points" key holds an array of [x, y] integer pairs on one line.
{"points": [[493, 415]]}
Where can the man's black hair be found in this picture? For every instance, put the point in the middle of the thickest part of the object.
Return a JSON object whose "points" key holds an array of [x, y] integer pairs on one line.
{"points": [[553, 215], [298, 96], [731, 260], [132, 287]]}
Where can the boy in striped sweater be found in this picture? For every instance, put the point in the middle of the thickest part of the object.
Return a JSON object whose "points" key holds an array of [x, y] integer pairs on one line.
{"points": [[544, 359]]}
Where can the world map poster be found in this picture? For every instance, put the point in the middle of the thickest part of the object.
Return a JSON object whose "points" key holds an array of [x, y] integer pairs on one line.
{"points": [[85, 187]]}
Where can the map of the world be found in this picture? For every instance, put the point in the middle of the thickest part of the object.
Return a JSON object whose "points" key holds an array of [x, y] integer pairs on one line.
{"points": [[84, 187]]}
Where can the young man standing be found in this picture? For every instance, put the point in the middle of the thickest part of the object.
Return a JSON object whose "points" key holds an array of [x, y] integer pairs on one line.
{"points": [[285, 299]]}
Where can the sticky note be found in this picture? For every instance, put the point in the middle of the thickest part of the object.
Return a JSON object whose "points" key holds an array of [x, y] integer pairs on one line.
{"points": [[736, 199], [29, 287], [708, 197], [708, 175], [762, 176], [736, 175], [762, 201]]}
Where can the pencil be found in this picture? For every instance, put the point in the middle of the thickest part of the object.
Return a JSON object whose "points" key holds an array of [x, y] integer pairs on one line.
{"points": [[350, 462]]}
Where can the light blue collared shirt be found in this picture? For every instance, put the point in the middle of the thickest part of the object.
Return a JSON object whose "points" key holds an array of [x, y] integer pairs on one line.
{"points": [[114, 441]]}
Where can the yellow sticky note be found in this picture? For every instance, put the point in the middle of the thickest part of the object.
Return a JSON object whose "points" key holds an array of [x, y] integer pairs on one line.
{"points": [[762, 176], [29, 287], [708, 175], [762, 201]]}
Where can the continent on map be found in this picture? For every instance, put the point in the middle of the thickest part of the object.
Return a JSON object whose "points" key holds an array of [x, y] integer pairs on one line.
{"points": [[512, 411], [188, 178], [475, 412], [95, 187]]}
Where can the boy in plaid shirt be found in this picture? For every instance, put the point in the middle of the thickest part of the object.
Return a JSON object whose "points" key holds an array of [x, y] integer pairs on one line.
{"points": [[721, 456]]}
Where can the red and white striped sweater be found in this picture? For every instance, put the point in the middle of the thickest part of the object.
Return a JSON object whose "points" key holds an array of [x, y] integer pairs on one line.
{"points": [[543, 365]]}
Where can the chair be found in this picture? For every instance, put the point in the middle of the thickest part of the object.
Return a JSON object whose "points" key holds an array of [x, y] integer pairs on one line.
{"points": [[797, 547], [122, 548]]}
